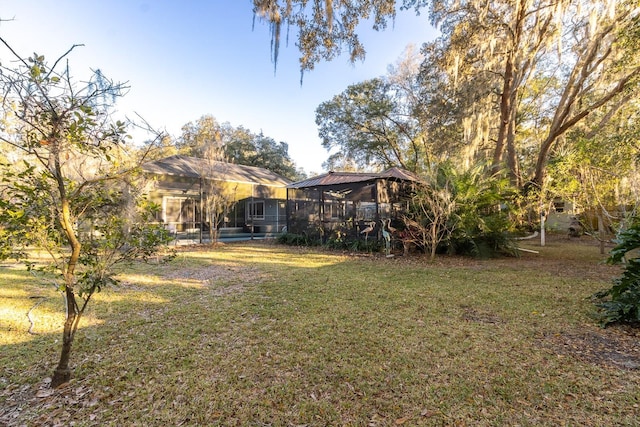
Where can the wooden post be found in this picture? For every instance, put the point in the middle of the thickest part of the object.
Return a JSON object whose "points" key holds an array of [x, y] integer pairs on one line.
{"points": [[601, 233], [542, 228]]}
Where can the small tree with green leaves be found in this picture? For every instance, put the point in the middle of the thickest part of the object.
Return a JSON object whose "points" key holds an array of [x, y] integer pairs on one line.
{"points": [[621, 302], [69, 186]]}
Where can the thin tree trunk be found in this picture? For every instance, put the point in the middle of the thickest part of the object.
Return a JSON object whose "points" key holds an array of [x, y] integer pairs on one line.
{"points": [[62, 373], [601, 231], [434, 240], [512, 157]]}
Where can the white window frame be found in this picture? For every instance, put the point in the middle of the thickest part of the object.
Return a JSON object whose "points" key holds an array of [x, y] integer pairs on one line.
{"points": [[250, 212]]}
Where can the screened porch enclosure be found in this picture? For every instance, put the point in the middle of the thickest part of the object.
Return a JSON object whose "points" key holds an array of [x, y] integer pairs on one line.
{"points": [[197, 196], [183, 214], [344, 205]]}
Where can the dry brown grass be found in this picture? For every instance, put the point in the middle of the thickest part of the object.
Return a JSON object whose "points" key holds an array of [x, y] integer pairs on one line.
{"points": [[258, 334]]}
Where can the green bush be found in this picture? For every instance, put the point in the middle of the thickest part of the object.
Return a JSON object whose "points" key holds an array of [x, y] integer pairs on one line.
{"points": [[355, 245], [348, 244], [621, 302], [294, 239], [479, 224]]}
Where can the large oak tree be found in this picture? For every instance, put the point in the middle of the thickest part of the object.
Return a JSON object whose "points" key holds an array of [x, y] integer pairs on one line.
{"points": [[577, 48], [489, 53]]}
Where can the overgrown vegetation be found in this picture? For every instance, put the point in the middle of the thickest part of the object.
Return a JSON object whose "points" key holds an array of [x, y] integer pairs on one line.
{"points": [[260, 334], [621, 302], [338, 242], [454, 212], [464, 213], [295, 239]]}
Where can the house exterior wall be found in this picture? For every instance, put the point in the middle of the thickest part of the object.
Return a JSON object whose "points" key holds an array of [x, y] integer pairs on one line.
{"points": [[179, 199], [263, 215]]}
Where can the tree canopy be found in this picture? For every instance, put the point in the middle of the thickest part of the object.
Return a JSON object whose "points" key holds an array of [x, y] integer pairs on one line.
{"points": [[376, 123], [326, 28], [508, 83], [238, 145]]}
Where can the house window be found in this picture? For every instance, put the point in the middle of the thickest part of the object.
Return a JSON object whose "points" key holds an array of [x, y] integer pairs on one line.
{"points": [[558, 205], [335, 208], [256, 210], [181, 210]]}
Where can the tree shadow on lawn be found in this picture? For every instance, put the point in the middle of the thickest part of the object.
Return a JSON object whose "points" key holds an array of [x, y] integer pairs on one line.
{"points": [[209, 286]]}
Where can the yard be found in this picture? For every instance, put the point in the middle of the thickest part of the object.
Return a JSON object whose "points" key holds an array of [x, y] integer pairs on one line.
{"points": [[255, 334]]}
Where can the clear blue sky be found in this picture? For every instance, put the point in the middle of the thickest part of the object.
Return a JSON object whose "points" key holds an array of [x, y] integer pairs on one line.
{"points": [[184, 59]]}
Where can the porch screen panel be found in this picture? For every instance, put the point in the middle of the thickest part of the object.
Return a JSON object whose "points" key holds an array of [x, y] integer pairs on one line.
{"points": [[172, 210], [189, 213]]}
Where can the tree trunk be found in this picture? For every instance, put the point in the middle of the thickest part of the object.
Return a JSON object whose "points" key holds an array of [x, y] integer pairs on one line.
{"points": [[510, 87], [434, 240], [505, 114], [62, 373], [541, 162], [512, 156], [601, 232]]}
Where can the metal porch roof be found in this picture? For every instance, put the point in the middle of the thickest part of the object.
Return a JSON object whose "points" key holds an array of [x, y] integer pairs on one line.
{"points": [[340, 178]]}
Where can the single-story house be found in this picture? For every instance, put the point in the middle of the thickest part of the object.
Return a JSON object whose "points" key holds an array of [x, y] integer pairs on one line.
{"points": [[254, 198], [348, 203], [259, 201]]}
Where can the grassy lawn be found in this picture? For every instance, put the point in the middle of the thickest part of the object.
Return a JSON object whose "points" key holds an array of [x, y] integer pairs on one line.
{"points": [[254, 334]]}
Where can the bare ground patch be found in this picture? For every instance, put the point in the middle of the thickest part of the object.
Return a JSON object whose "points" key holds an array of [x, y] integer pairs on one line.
{"points": [[222, 279], [617, 346]]}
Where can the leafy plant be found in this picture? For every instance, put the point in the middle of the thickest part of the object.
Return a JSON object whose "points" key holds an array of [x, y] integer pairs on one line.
{"points": [[621, 302], [481, 222], [461, 212], [294, 239], [70, 190]]}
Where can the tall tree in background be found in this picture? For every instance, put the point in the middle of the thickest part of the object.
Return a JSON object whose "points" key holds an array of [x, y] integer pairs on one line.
{"points": [[200, 137], [412, 117], [69, 188], [362, 124], [604, 76], [496, 46], [265, 152], [491, 51], [504, 45], [376, 123], [238, 145]]}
